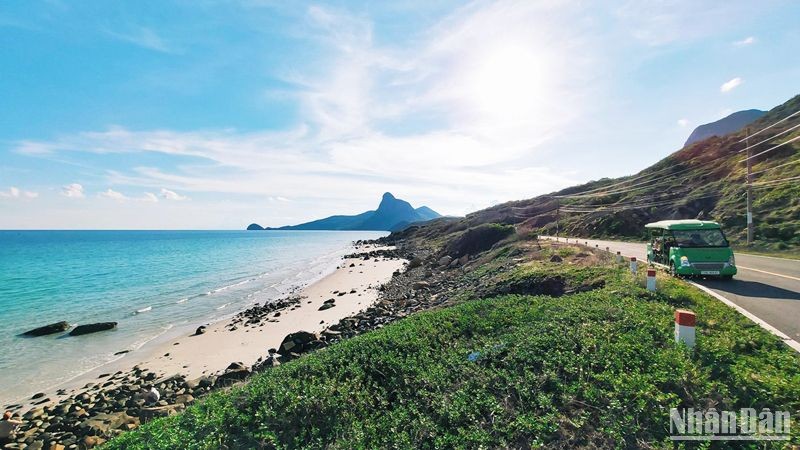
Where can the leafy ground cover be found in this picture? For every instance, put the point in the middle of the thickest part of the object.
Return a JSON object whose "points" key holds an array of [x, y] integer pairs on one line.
{"points": [[592, 369]]}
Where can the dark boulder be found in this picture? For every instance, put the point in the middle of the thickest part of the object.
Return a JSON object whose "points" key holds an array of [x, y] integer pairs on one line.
{"points": [[48, 329], [92, 328], [200, 330], [236, 371], [298, 342]]}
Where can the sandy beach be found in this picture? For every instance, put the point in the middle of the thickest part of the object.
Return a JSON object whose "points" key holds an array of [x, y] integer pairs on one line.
{"points": [[353, 285]]}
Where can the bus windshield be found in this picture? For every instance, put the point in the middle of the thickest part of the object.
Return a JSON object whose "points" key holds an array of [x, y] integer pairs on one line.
{"points": [[699, 238]]}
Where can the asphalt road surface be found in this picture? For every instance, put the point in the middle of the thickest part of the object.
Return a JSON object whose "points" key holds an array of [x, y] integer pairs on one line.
{"points": [[767, 287]]}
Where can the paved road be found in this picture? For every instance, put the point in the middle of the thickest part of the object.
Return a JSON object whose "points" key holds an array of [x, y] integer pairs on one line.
{"points": [[769, 288]]}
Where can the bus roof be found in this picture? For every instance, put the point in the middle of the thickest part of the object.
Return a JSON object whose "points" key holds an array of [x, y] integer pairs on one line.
{"points": [[690, 224]]}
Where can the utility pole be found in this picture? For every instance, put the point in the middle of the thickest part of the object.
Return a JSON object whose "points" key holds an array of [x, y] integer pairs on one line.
{"points": [[749, 190], [558, 207]]}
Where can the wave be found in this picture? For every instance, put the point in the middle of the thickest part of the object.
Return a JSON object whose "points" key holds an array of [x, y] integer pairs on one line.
{"points": [[143, 310], [182, 300], [223, 306]]}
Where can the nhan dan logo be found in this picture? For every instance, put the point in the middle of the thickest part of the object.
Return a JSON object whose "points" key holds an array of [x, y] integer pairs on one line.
{"points": [[746, 424]]}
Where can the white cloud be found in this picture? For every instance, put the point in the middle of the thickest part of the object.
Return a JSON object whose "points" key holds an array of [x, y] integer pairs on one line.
{"points": [[150, 197], [730, 85], [481, 105], [278, 199], [73, 190], [683, 123], [172, 195], [15, 192], [746, 41], [112, 194]]}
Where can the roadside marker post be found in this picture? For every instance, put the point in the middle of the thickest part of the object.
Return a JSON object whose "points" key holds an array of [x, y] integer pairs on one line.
{"points": [[619, 258], [651, 279], [634, 265], [684, 327]]}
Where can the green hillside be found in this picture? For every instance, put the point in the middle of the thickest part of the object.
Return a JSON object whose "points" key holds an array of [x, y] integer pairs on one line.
{"points": [[703, 180]]}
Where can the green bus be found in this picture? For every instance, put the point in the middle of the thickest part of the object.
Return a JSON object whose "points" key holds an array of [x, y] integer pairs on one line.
{"points": [[690, 247]]}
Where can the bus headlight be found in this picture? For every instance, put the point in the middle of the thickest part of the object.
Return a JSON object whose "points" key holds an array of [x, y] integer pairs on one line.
{"points": [[685, 261], [732, 260]]}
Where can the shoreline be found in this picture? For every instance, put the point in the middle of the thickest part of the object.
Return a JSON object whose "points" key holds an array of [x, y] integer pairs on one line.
{"points": [[238, 340], [121, 360]]}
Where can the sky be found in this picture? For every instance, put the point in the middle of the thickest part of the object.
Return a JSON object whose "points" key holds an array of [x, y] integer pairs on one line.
{"points": [[179, 114]]}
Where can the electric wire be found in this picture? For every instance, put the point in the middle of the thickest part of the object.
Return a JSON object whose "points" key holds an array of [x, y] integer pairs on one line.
{"points": [[770, 138], [770, 126], [772, 148]]}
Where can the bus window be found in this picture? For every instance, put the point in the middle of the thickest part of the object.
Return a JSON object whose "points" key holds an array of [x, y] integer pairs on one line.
{"points": [[699, 238]]}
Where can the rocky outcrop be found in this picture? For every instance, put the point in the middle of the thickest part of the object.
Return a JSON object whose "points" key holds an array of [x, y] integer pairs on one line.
{"points": [[236, 371], [52, 328], [92, 328], [299, 342]]}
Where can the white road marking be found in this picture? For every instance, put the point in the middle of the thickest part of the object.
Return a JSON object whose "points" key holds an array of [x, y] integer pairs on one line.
{"points": [[789, 341], [764, 256], [769, 273]]}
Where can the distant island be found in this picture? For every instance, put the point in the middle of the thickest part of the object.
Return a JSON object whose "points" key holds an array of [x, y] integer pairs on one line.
{"points": [[392, 214]]}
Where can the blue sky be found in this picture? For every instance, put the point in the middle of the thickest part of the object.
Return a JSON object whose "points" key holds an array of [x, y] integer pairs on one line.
{"points": [[214, 114]]}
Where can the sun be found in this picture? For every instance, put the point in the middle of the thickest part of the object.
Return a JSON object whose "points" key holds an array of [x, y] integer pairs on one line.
{"points": [[509, 82]]}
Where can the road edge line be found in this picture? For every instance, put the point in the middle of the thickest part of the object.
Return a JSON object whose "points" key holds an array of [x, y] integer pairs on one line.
{"points": [[766, 256], [769, 273], [794, 345]]}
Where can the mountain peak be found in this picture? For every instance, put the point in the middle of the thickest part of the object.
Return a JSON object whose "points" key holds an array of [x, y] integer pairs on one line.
{"points": [[729, 124], [392, 213]]}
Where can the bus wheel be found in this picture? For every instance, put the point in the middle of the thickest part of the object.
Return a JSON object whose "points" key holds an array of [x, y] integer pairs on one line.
{"points": [[727, 277]]}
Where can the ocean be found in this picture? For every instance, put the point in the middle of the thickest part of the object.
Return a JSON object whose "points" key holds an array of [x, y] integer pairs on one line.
{"points": [[147, 281]]}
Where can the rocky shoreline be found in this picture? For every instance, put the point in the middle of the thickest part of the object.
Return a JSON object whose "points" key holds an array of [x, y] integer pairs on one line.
{"points": [[121, 401], [118, 402]]}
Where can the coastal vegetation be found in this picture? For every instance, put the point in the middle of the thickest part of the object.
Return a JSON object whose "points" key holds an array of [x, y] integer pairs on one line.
{"points": [[526, 344]]}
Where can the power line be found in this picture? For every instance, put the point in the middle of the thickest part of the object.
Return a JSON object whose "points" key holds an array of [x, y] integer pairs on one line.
{"points": [[770, 138], [645, 199], [616, 208], [770, 182], [637, 186], [776, 167], [618, 183], [767, 128], [772, 148]]}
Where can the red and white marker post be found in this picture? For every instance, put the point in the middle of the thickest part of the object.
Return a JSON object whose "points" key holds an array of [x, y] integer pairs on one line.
{"points": [[634, 265], [651, 279], [684, 327], [619, 258]]}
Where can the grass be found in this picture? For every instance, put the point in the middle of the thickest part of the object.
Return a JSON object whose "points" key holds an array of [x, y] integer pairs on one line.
{"points": [[594, 369]]}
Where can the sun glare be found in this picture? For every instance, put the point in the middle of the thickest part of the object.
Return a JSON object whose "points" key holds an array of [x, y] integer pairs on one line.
{"points": [[509, 82]]}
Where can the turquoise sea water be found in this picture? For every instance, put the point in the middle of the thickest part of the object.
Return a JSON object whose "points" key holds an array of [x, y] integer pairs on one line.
{"points": [[148, 281]]}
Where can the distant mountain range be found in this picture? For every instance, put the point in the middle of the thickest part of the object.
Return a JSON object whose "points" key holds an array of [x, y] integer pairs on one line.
{"points": [[392, 214], [726, 125]]}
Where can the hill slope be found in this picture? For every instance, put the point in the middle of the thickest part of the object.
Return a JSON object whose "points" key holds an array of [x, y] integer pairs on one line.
{"points": [[726, 125], [392, 214], [703, 180]]}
